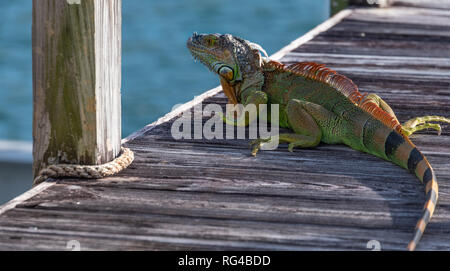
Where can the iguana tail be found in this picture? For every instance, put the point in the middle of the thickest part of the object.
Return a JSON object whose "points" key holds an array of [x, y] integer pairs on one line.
{"points": [[390, 142], [381, 135], [399, 149]]}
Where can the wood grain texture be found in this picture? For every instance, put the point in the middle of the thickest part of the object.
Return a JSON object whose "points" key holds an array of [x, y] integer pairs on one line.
{"points": [[76, 78], [213, 195]]}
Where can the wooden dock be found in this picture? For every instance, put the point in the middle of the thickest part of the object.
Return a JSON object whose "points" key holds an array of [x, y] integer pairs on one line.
{"points": [[213, 195]]}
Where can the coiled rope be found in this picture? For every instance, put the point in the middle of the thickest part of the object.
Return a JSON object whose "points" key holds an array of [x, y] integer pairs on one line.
{"points": [[86, 171]]}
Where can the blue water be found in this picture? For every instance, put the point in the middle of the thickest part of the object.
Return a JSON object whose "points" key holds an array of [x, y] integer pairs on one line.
{"points": [[158, 71]]}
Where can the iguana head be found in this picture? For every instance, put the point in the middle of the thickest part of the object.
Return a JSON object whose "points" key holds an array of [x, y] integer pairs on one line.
{"points": [[235, 60]]}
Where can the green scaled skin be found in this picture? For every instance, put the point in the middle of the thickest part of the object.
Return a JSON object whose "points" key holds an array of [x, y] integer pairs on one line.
{"points": [[318, 105]]}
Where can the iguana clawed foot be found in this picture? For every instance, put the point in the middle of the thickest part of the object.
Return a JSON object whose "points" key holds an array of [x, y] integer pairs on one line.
{"points": [[422, 123], [294, 140], [261, 143]]}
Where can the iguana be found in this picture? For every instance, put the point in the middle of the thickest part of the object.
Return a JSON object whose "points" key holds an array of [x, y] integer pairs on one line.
{"points": [[318, 105]]}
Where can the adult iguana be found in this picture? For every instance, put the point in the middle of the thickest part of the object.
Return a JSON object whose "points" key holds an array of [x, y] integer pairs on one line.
{"points": [[318, 105]]}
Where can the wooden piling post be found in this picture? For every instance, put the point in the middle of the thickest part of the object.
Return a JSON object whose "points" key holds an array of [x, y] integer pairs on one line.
{"points": [[338, 5], [76, 82]]}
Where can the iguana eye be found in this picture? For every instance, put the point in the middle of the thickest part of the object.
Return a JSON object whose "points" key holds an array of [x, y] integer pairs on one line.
{"points": [[210, 41], [227, 73]]}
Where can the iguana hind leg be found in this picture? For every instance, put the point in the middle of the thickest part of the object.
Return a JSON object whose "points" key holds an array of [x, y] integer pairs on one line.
{"points": [[411, 126], [307, 131], [374, 98], [422, 123]]}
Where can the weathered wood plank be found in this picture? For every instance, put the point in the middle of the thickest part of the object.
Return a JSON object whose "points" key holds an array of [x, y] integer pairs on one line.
{"points": [[172, 230], [397, 32], [368, 47], [439, 5], [424, 16], [385, 30]]}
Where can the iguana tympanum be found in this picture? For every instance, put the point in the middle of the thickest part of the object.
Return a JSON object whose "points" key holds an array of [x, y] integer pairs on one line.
{"points": [[318, 105]]}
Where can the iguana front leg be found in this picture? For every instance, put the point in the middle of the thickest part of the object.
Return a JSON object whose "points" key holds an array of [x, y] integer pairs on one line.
{"points": [[303, 118], [253, 96], [411, 126]]}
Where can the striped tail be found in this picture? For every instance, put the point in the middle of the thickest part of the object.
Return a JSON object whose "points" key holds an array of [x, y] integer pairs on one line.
{"points": [[431, 189], [400, 150]]}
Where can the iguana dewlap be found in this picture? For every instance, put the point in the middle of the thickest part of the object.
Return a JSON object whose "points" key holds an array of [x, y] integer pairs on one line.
{"points": [[318, 105]]}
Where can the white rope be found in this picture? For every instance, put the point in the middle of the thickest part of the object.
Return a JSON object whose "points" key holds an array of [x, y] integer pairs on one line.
{"points": [[85, 171]]}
